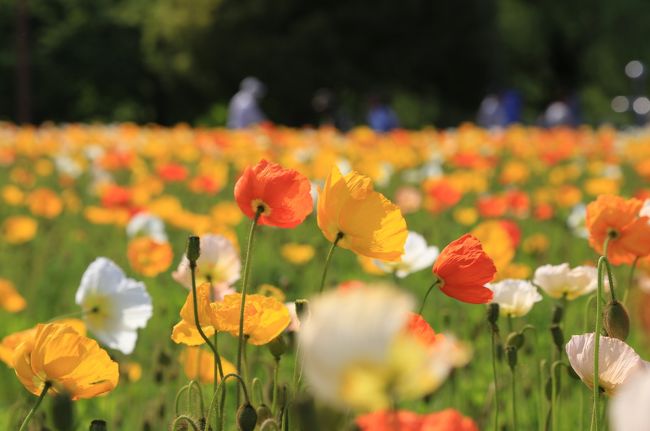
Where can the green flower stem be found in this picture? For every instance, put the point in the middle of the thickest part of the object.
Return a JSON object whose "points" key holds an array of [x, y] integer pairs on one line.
{"points": [[193, 384], [28, 418], [542, 395], [630, 280], [177, 401], [555, 392], [187, 419], [339, 236], [221, 391], [496, 381], [218, 367], [426, 295], [514, 399], [595, 424], [276, 370]]}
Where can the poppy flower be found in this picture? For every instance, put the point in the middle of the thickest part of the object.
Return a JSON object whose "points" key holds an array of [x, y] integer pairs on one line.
{"points": [[440, 195], [44, 203], [363, 219], [298, 254], [463, 269], [172, 172], [18, 229], [71, 363], [198, 364], [560, 281], [628, 409], [403, 420], [114, 306], [417, 256], [618, 218], [148, 256], [282, 195], [264, 317], [515, 297], [185, 331], [146, 224], [10, 299], [497, 241]]}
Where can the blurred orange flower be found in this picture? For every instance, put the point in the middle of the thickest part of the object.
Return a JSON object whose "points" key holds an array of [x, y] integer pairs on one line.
{"points": [[281, 194], [366, 222], [148, 256], [10, 299], [198, 364], [440, 195], [446, 420], [264, 317], [19, 229], [172, 172], [617, 218], [464, 269], [45, 203], [68, 361]]}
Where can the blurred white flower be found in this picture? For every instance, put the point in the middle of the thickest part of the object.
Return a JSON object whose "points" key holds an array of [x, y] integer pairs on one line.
{"points": [[560, 280], [147, 224], [417, 256], [114, 306], [67, 166], [577, 221], [218, 264], [617, 361], [628, 409], [645, 209], [357, 353], [515, 297]]}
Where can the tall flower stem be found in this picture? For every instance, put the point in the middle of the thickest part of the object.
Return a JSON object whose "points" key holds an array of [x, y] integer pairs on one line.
{"points": [[426, 295], [218, 368], [274, 404], [595, 425], [244, 288], [630, 280], [514, 399], [496, 381], [339, 236], [35, 407]]}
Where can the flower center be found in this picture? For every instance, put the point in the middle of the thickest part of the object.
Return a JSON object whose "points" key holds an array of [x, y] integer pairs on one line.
{"points": [[260, 207]]}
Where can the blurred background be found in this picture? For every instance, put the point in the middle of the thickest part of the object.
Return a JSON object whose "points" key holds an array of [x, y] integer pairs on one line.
{"points": [[326, 61]]}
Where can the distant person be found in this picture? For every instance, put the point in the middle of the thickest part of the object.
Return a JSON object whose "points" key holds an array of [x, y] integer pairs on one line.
{"points": [[558, 113], [492, 112], [243, 109], [381, 117]]}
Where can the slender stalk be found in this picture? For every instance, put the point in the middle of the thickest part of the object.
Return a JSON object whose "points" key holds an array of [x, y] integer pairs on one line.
{"points": [[595, 425], [177, 402], [426, 295], [244, 288], [187, 419], [496, 382], [274, 404], [220, 390], [514, 400], [28, 418], [630, 280], [339, 236], [218, 367]]}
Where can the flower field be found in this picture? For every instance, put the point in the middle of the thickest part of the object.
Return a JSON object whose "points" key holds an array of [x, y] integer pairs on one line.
{"points": [[283, 279]]}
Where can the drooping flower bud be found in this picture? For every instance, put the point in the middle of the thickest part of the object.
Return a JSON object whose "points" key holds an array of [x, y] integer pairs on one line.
{"points": [[98, 425], [246, 417], [616, 321], [263, 413], [515, 339], [277, 347], [558, 337], [63, 412], [511, 354]]}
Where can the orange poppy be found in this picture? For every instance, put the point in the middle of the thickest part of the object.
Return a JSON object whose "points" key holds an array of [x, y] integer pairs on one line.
{"points": [[172, 172], [420, 329], [617, 218], [148, 256], [463, 269], [282, 195], [403, 420], [198, 364], [440, 195], [10, 299]]}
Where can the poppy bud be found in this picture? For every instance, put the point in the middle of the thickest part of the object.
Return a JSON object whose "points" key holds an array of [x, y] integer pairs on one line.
{"points": [[493, 314], [246, 417], [511, 354], [277, 347], [193, 249], [616, 321], [515, 339], [63, 412], [98, 425], [558, 336], [302, 306], [263, 413], [558, 314]]}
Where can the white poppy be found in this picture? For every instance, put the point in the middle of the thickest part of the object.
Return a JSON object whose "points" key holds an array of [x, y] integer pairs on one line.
{"points": [[114, 306], [560, 280], [628, 409], [146, 224], [356, 352], [417, 256], [577, 221], [515, 297], [616, 361], [218, 264]]}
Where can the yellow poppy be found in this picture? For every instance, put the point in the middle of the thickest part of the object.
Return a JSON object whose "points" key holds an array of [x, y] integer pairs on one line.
{"points": [[69, 362], [185, 331], [198, 364], [148, 256], [298, 254], [10, 299], [364, 220], [264, 317], [19, 229]]}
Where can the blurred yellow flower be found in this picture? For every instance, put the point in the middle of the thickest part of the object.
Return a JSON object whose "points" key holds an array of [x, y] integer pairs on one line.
{"points": [[366, 222], [519, 271], [601, 186], [297, 254], [148, 256], [496, 242], [272, 291], [19, 229], [70, 363], [100, 215], [12, 195], [185, 331], [44, 167], [264, 317], [537, 243], [226, 213], [10, 299], [465, 216]]}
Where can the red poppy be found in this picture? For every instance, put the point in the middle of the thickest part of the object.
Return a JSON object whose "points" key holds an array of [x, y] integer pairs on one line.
{"points": [[464, 269], [440, 195], [403, 420], [492, 206], [114, 196], [513, 231], [172, 172], [281, 195]]}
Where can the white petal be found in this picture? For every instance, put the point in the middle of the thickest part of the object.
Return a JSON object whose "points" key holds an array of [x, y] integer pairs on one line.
{"points": [[102, 275]]}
